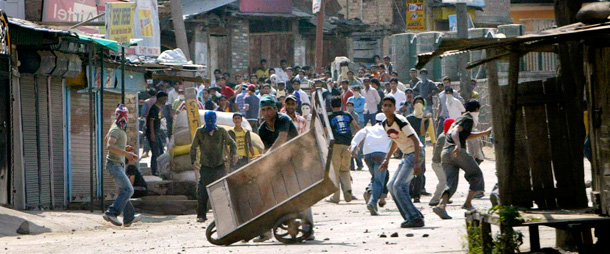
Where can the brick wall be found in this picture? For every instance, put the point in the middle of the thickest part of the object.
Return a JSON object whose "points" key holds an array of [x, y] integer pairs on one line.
{"points": [[240, 45], [376, 12], [494, 13]]}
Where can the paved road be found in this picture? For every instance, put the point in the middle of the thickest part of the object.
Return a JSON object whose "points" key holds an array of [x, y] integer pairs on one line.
{"points": [[342, 228]]}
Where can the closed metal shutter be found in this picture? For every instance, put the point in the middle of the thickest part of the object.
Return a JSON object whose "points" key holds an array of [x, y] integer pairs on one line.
{"points": [[30, 148], [44, 146], [79, 146], [57, 135]]}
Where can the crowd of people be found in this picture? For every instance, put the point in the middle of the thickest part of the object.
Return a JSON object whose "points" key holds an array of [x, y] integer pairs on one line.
{"points": [[373, 115]]}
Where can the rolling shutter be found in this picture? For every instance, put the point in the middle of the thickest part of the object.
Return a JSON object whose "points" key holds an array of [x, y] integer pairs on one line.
{"points": [[44, 147], [79, 146], [57, 135], [111, 100], [30, 148]]}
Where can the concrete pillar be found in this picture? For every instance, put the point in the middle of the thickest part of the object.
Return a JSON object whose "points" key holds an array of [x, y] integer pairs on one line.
{"points": [[401, 54], [427, 42]]}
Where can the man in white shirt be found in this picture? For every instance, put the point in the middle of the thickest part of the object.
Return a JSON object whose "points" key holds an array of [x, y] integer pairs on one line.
{"points": [[405, 138], [399, 96], [454, 106], [280, 72], [299, 93], [371, 100], [376, 146], [442, 112]]}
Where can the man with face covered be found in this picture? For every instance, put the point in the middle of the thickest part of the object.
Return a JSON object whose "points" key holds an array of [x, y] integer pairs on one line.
{"points": [[118, 150], [420, 121], [211, 141], [425, 88]]}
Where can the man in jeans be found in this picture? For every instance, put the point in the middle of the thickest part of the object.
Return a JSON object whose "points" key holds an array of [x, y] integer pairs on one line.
{"points": [[405, 138], [454, 157], [153, 131], [118, 150], [211, 141], [376, 147], [371, 99]]}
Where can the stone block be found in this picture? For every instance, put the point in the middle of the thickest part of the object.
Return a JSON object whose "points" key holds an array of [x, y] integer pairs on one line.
{"points": [[512, 30]]}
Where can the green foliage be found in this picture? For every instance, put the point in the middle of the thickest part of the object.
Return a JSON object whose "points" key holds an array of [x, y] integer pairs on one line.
{"points": [[509, 240]]}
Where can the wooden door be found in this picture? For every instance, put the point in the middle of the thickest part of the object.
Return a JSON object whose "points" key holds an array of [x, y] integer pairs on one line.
{"points": [[273, 47], [599, 127]]}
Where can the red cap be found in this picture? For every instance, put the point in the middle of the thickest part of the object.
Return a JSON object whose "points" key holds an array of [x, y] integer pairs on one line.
{"points": [[252, 87], [447, 124]]}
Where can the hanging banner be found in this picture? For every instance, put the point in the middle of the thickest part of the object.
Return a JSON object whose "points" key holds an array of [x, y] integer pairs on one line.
{"points": [[119, 22], [146, 26], [74, 11], [416, 15], [192, 110]]}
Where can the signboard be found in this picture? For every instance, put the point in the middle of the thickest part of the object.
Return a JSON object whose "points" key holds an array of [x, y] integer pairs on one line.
{"points": [[5, 41], [146, 27], [416, 15], [119, 21], [315, 8], [266, 6], [471, 3], [74, 11], [192, 110]]}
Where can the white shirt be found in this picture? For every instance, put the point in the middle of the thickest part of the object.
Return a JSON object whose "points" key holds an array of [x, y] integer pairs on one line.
{"points": [[454, 107], [400, 132], [172, 95], [303, 97], [442, 98], [281, 75], [400, 98], [375, 140], [371, 100]]}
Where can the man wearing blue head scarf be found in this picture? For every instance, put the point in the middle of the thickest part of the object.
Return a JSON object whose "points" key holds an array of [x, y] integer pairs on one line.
{"points": [[211, 141]]}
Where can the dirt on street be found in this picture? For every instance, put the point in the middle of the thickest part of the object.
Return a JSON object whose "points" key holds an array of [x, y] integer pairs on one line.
{"points": [[342, 228]]}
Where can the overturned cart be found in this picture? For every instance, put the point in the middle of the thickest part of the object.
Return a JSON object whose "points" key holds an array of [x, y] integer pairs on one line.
{"points": [[269, 193]]}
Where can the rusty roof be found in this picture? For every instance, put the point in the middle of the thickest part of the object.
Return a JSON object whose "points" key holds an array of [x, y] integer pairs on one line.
{"points": [[536, 42]]}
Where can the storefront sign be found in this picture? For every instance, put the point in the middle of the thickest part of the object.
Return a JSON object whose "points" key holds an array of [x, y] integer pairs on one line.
{"points": [[5, 41], [266, 6], [119, 21], [416, 15], [74, 11], [146, 26], [316, 4]]}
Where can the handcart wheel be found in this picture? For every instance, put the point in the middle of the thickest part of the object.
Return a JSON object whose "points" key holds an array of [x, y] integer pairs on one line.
{"points": [[292, 228], [211, 234]]}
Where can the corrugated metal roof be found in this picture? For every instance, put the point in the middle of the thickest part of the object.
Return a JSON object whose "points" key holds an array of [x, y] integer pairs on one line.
{"points": [[191, 8], [524, 43]]}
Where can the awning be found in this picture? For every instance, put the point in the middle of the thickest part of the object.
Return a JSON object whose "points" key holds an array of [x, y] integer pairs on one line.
{"points": [[191, 8], [112, 45]]}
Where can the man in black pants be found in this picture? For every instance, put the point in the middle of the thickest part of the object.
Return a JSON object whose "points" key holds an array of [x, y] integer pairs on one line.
{"points": [[211, 141]]}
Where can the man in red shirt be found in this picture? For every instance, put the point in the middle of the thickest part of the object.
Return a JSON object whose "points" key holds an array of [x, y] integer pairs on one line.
{"points": [[347, 92], [225, 90]]}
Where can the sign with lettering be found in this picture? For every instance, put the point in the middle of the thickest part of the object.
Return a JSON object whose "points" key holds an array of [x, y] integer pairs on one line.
{"points": [[119, 21], [5, 41], [416, 12], [74, 11]]}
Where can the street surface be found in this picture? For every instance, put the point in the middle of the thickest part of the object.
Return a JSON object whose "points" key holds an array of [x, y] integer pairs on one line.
{"points": [[343, 228]]}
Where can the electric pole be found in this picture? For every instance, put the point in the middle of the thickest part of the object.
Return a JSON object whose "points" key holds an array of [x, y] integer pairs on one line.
{"points": [[320, 38], [462, 32], [179, 29]]}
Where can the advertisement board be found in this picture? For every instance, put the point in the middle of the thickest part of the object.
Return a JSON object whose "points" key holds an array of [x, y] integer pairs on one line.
{"points": [[416, 20], [266, 6], [146, 27], [119, 21], [74, 11]]}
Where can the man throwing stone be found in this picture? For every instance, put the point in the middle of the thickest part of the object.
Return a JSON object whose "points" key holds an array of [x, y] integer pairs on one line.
{"points": [[405, 138], [454, 157]]}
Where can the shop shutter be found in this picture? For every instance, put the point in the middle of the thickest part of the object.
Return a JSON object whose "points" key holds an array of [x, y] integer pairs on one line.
{"points": [[79, 146], [30, 150], [57, 135], [111, 100], [43, 133]]}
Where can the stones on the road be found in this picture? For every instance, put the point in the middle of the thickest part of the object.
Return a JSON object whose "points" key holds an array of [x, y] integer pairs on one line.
{"points": [[326, 239], [425, 235], [24, 228], [395, 234], [383, 235], [410, 235], [366, 231]]}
